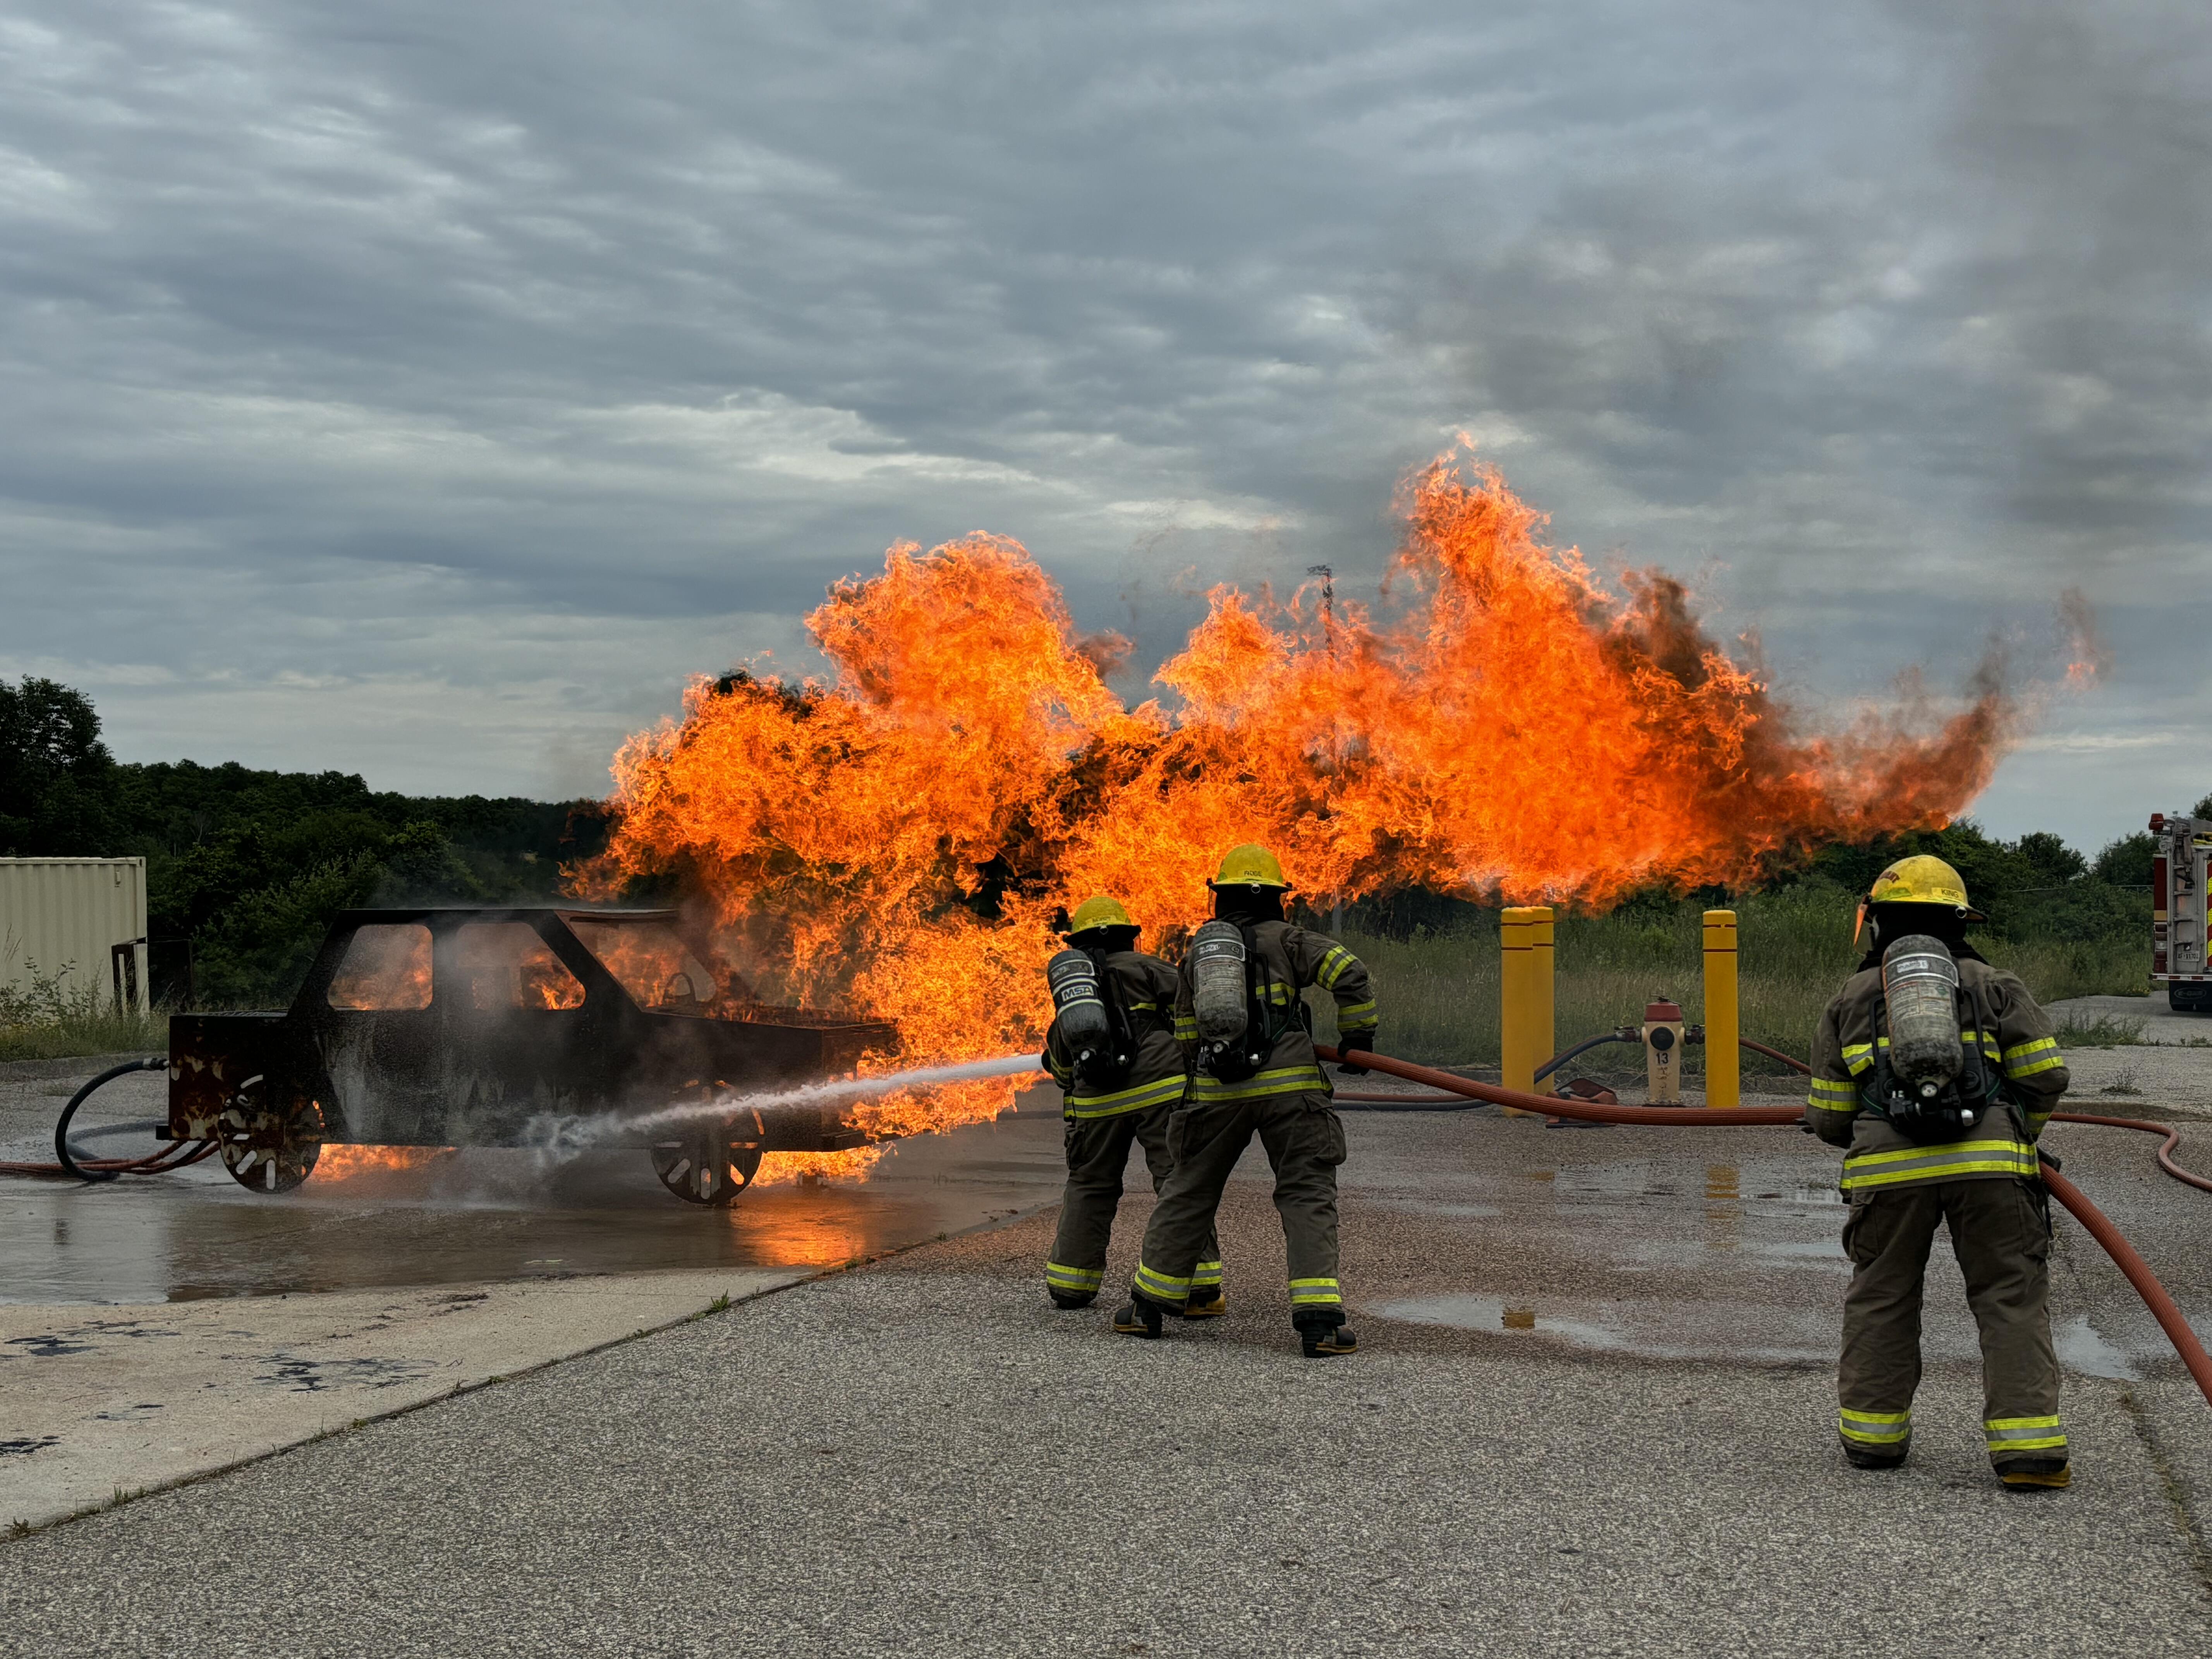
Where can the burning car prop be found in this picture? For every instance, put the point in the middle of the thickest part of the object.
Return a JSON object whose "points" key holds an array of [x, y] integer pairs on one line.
{"points": [[446, 1027]]}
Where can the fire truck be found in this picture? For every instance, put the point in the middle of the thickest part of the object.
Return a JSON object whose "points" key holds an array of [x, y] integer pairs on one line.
{"points": [[2183, 849]]}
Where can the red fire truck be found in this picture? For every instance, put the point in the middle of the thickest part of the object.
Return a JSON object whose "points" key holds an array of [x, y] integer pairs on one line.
{"points": [[2178, 872]]}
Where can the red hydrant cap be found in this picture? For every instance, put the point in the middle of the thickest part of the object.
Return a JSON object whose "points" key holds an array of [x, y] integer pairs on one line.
{"points": [[1660, 1014]]}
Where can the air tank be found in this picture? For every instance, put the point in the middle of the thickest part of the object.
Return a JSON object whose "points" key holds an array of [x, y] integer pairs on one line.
{"points": [[1216, 982], [1920, 986], [1077, 1005]]}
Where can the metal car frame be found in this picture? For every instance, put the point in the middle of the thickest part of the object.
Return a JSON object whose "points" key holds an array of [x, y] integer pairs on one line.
{"points": [[274, 1088]]}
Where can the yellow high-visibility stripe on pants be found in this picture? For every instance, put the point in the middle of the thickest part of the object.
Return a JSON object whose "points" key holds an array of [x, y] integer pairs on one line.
{"points": [[1876, 1428], [1312, 1293], [2019, 1434]]}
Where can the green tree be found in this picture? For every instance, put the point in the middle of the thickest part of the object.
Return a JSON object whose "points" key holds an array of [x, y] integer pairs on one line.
{"points": [[2126, 862], [56, 778]]}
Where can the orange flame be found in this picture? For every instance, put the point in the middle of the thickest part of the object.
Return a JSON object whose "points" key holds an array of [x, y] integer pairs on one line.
{"points": [[1506, 728], [343, 1160]]}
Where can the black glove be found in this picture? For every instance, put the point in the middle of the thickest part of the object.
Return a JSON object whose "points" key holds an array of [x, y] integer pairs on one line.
{"points": [[1349, 1043]]}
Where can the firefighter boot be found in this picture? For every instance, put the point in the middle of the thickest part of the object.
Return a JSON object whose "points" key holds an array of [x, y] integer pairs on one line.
{"points": [[1324, 1332], [1141, 1318], [2036, 1474], [1066, 1301], [1866, 1460]]}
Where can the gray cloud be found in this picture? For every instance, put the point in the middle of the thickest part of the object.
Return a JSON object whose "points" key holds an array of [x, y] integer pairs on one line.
{"points": [[428, 388]]}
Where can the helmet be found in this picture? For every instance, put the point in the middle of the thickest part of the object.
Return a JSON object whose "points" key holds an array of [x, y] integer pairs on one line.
{"points": [[1249, 865], [1922, 879], [1099, 912]]}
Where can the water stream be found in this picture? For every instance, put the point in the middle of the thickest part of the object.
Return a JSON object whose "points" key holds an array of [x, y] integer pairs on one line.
{"points": [[566, 1136]]}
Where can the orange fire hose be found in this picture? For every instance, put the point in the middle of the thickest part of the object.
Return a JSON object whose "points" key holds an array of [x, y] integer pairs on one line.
{"points": [[2162, 1306]]}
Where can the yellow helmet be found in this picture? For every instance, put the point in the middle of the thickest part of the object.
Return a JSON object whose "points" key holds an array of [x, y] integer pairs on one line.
{"points": [[1100, 912], [1249, 865], [1922, 879]]}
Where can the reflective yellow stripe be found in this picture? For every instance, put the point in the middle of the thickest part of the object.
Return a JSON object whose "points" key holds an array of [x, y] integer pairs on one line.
{"points": [[1315, 1290], [1358, 1014], [1158, 1092], [1834, 1091], [1207, 1274], [1160, 1284], [2029, 1070], [1945, 1162], [1074, 1279], [1334, 965], [1874, 1428], [1284, 1080], [1944, 1150], [1857, 1056], [2004, 1434], [2041, 1045], [1185, 1029]]}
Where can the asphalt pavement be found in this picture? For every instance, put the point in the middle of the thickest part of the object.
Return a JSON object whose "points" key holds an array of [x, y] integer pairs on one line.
{"points": [[1592, 1414]]}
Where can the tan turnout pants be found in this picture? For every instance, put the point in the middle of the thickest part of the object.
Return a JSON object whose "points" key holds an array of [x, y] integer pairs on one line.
{"points": [[1999, 1233], [1098, 1154], [1304, 1141]]}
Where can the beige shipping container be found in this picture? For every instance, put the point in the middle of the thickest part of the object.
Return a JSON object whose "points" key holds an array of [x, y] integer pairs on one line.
{"points": [[81, 921]]}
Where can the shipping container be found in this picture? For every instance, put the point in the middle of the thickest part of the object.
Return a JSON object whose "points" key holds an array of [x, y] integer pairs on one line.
{"points": [[81, 922]]}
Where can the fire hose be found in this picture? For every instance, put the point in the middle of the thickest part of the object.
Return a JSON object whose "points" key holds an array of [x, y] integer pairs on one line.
{"points": [[2162, 1306], [73, 1165]]}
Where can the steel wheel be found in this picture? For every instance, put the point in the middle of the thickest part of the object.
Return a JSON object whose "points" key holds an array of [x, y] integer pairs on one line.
{"points": [[268, 1147], [708, 1164]]}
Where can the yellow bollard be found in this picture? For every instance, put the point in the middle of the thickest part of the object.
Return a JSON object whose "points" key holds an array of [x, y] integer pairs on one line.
{"points": [[1525, 994], [1723, 1017]]}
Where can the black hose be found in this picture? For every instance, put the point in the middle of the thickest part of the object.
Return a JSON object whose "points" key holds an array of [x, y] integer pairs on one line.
{"points": [[1619, 1034], [151, 1063]]}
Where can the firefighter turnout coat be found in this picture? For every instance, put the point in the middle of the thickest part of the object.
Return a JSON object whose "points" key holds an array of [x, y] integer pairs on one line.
{"points": [[1985, 1187], [1101, 1123], [2015, 1037], [1286, 1103]]}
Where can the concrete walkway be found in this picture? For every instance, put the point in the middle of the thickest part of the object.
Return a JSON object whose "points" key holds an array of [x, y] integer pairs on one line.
{"points": [[1594, 1416]]}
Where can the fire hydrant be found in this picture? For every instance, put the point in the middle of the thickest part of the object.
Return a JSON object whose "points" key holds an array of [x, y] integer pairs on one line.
{"points": [[1662, 1052]]}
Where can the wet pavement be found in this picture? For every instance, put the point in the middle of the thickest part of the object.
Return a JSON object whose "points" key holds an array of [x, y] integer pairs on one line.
{"points": [[474, 1216]]}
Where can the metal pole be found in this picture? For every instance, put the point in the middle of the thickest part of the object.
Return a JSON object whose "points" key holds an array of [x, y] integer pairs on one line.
{"points": [[1723, 1015]]}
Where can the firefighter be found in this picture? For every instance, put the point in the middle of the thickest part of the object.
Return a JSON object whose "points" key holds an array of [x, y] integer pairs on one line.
{"points": [[1265, 1080], [1983, 1180], [1133, 1105]]}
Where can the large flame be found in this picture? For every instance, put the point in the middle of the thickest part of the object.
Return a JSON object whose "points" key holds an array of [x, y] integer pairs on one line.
{"points": [[1504, 727]]}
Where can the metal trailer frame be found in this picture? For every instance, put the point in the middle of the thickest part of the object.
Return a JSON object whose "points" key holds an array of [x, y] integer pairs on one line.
{"points": [[2181, 950], [459, 1068]]}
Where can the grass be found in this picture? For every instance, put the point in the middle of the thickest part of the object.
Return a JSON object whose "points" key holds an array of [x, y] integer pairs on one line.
{"points": [[2103, 1031], [46, 1022], [1439, 992]]}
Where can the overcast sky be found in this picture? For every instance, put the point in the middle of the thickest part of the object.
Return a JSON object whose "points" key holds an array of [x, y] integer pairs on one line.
{"points": [[426, 390]]}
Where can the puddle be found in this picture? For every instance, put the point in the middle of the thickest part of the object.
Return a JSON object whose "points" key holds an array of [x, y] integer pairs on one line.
{"points": [[1654, 1330], [1491, 1313], [2082, 1349], [1457, 1212], [493, 1214], [1826, 1249]]}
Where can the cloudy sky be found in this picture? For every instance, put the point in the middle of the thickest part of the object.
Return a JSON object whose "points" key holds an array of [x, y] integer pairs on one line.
{"points": [[426, 390]]}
